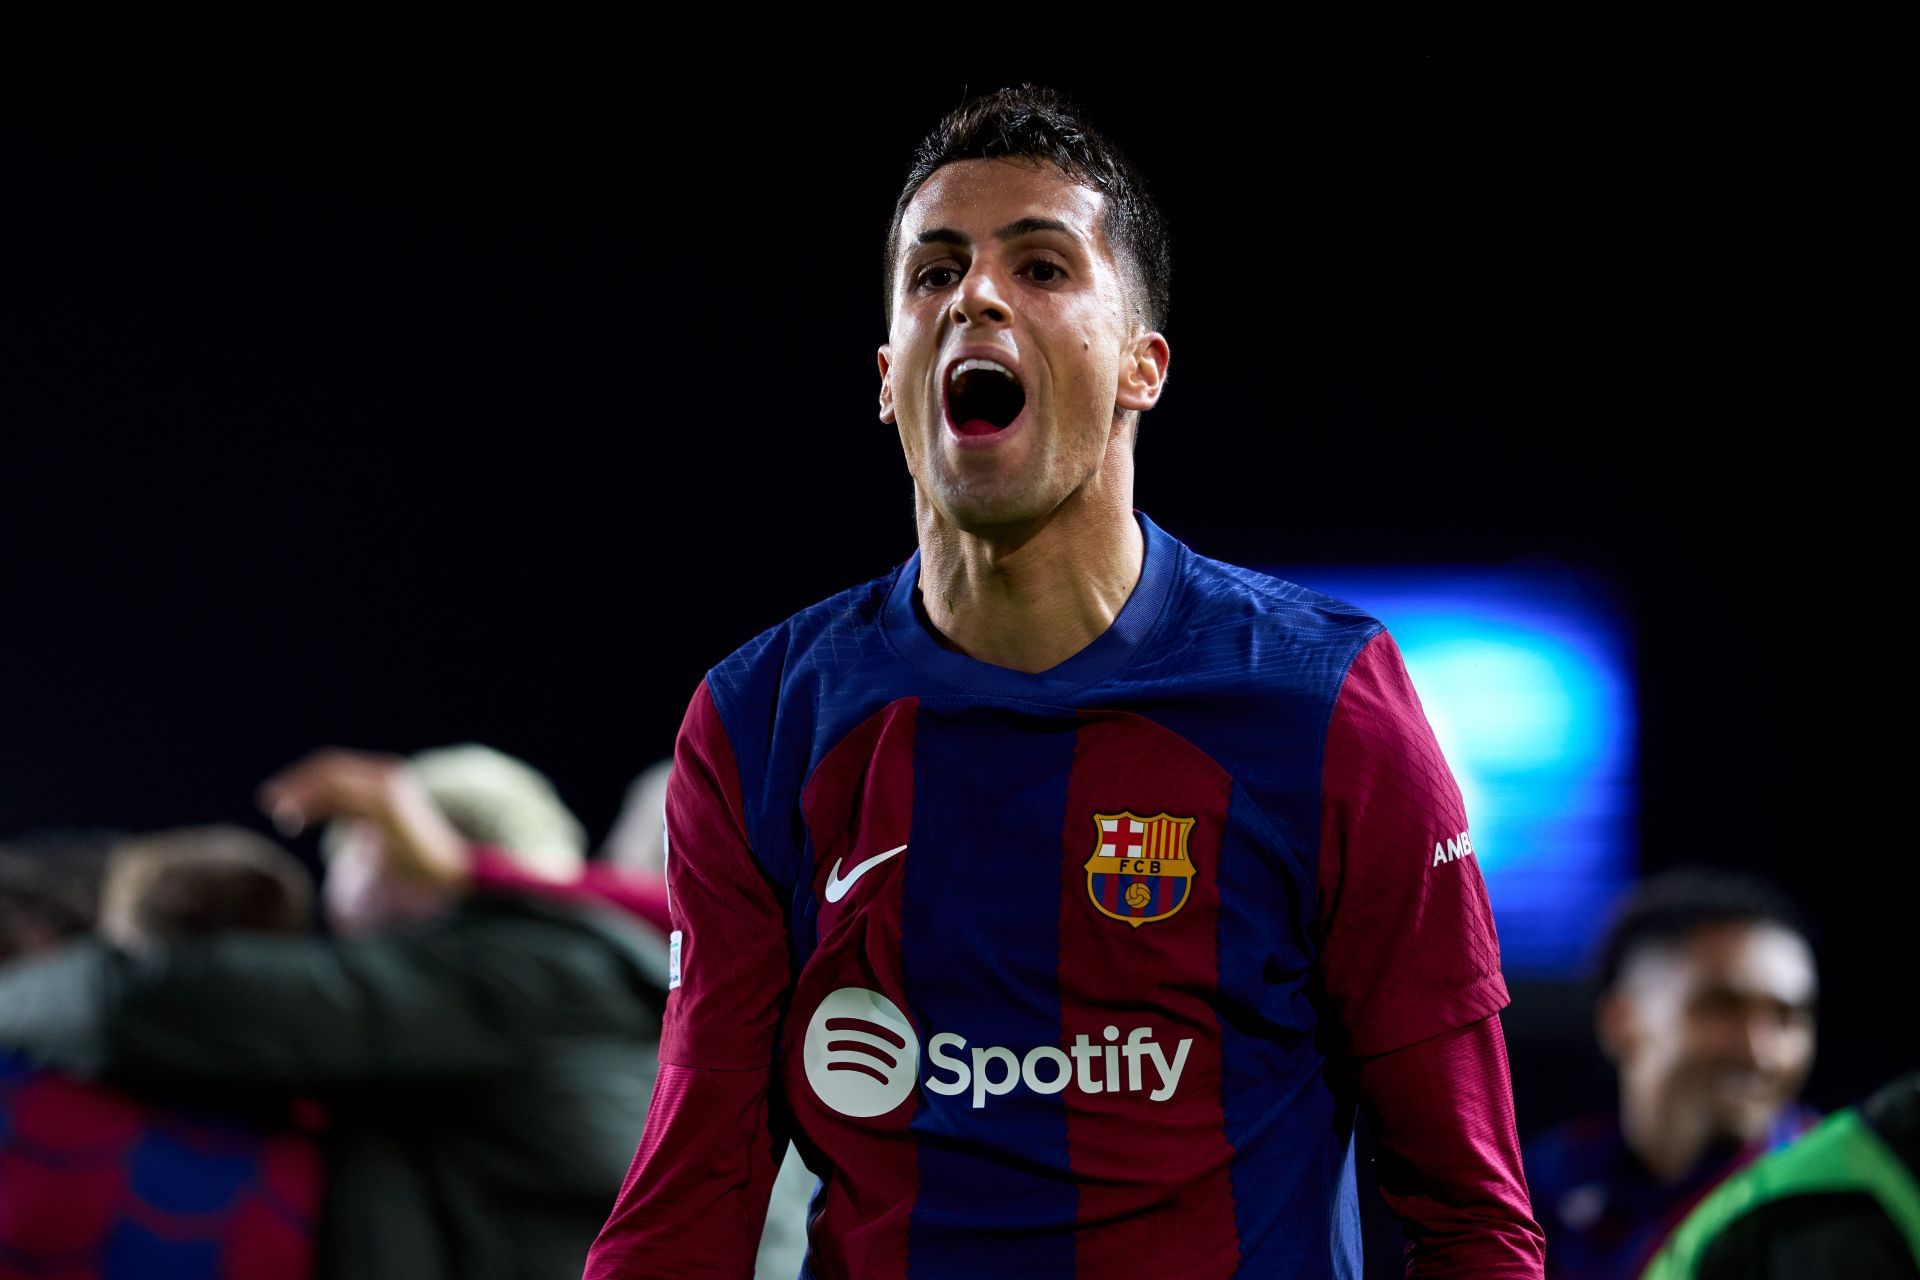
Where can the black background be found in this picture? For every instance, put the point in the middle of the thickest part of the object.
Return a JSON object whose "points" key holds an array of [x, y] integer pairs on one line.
{"points": [[493, 390]]}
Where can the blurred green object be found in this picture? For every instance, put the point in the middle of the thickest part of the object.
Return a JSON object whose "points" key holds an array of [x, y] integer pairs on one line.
{"points": [[1842, 1201]]}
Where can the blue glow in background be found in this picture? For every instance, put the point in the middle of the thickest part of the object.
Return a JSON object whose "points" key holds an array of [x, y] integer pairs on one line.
{"points": [[1526, 676]]}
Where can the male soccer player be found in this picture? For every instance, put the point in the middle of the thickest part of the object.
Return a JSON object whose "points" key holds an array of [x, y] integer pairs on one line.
{"points": [[1063, 891]]}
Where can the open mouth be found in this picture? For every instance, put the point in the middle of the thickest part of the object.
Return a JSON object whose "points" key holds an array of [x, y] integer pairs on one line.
{"points": [[983, 397]]}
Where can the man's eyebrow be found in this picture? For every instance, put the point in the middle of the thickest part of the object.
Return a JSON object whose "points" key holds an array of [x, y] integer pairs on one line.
{"points": [[1018, 227], [1028, 226]]}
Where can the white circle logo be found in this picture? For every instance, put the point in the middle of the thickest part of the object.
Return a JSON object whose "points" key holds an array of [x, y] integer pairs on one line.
{"points": [[861, 1054]]}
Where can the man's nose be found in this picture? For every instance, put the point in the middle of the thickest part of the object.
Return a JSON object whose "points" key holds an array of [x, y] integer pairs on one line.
{"points": [[980, 300]]}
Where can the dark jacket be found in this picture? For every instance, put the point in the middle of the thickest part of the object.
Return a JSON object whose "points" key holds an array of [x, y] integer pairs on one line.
{"points": [[486, 1076]]}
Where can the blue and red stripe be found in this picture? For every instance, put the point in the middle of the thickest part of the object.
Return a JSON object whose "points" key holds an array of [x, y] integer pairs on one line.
{"points": [[1142, 1164], [980, 950], [858, 803]]}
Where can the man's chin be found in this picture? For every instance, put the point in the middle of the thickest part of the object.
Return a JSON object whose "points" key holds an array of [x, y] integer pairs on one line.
{"points": [[993, 509], [1747, 1120]]}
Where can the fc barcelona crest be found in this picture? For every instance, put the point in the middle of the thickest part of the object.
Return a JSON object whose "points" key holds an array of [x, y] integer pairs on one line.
{"points": [[1139, 871]]}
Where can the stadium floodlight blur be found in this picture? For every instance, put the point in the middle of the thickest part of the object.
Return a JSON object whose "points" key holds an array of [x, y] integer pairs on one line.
{"points": [[1526, 675]]}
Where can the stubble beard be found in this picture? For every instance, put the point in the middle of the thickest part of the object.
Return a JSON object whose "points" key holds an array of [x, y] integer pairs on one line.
{"points": [[1012, 494], [988, 504]]}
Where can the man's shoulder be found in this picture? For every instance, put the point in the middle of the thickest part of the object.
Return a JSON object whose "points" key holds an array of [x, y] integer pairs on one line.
{"points": [[811, 646], [632, 947], [856, 611], [1220, 585], [1276, 623], [544, 962]]}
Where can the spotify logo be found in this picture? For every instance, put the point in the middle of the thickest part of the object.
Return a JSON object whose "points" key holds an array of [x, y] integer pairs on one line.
{"points": [[862, 1060], [861, 1055]]}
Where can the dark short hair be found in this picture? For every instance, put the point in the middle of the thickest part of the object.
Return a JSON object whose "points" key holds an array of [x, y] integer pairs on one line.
{"points": [[1667, 909], [199, 881], [1040, 124]]}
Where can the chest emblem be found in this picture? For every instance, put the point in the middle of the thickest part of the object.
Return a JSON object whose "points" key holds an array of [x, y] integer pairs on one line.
{"points": [[1139, 871]]}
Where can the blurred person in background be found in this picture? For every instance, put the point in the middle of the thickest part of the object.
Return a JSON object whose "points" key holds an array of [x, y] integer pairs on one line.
{"points": [[1842, 1201], [199, 881], [50, 887], [629, 875], [95, 1181], [637, 845], [484, 1060], [1706, 1011]]}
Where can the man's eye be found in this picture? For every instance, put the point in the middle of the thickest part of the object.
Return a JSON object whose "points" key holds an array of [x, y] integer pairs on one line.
{"points": [[1045, 272], [945, 276]]}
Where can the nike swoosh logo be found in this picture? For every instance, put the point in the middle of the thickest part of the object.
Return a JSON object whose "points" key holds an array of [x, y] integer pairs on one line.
{"points": [[837, 888]]}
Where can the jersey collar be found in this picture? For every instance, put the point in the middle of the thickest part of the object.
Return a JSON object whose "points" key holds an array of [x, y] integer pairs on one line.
{"points": [[913, 640]]}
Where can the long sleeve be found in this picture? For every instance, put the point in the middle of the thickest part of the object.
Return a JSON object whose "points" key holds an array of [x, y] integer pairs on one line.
{"points": [[696, 1196], [1410, 964], [1408, 948], [1449, 1156]]}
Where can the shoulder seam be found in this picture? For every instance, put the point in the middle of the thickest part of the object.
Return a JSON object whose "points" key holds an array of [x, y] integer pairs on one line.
{"points": [[1367, 637]]}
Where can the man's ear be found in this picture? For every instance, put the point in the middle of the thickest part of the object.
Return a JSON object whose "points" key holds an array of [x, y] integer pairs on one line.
{"points": [[886, 384], [1613, 1025], [1143, 372]]}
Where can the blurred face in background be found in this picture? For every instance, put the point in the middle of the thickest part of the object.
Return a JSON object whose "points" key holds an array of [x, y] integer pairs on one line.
{"points": [[363, 893], [1713, 1035]]}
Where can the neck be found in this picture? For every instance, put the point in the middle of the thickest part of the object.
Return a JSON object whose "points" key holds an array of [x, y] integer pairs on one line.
{"points": [[1029, 596]]}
